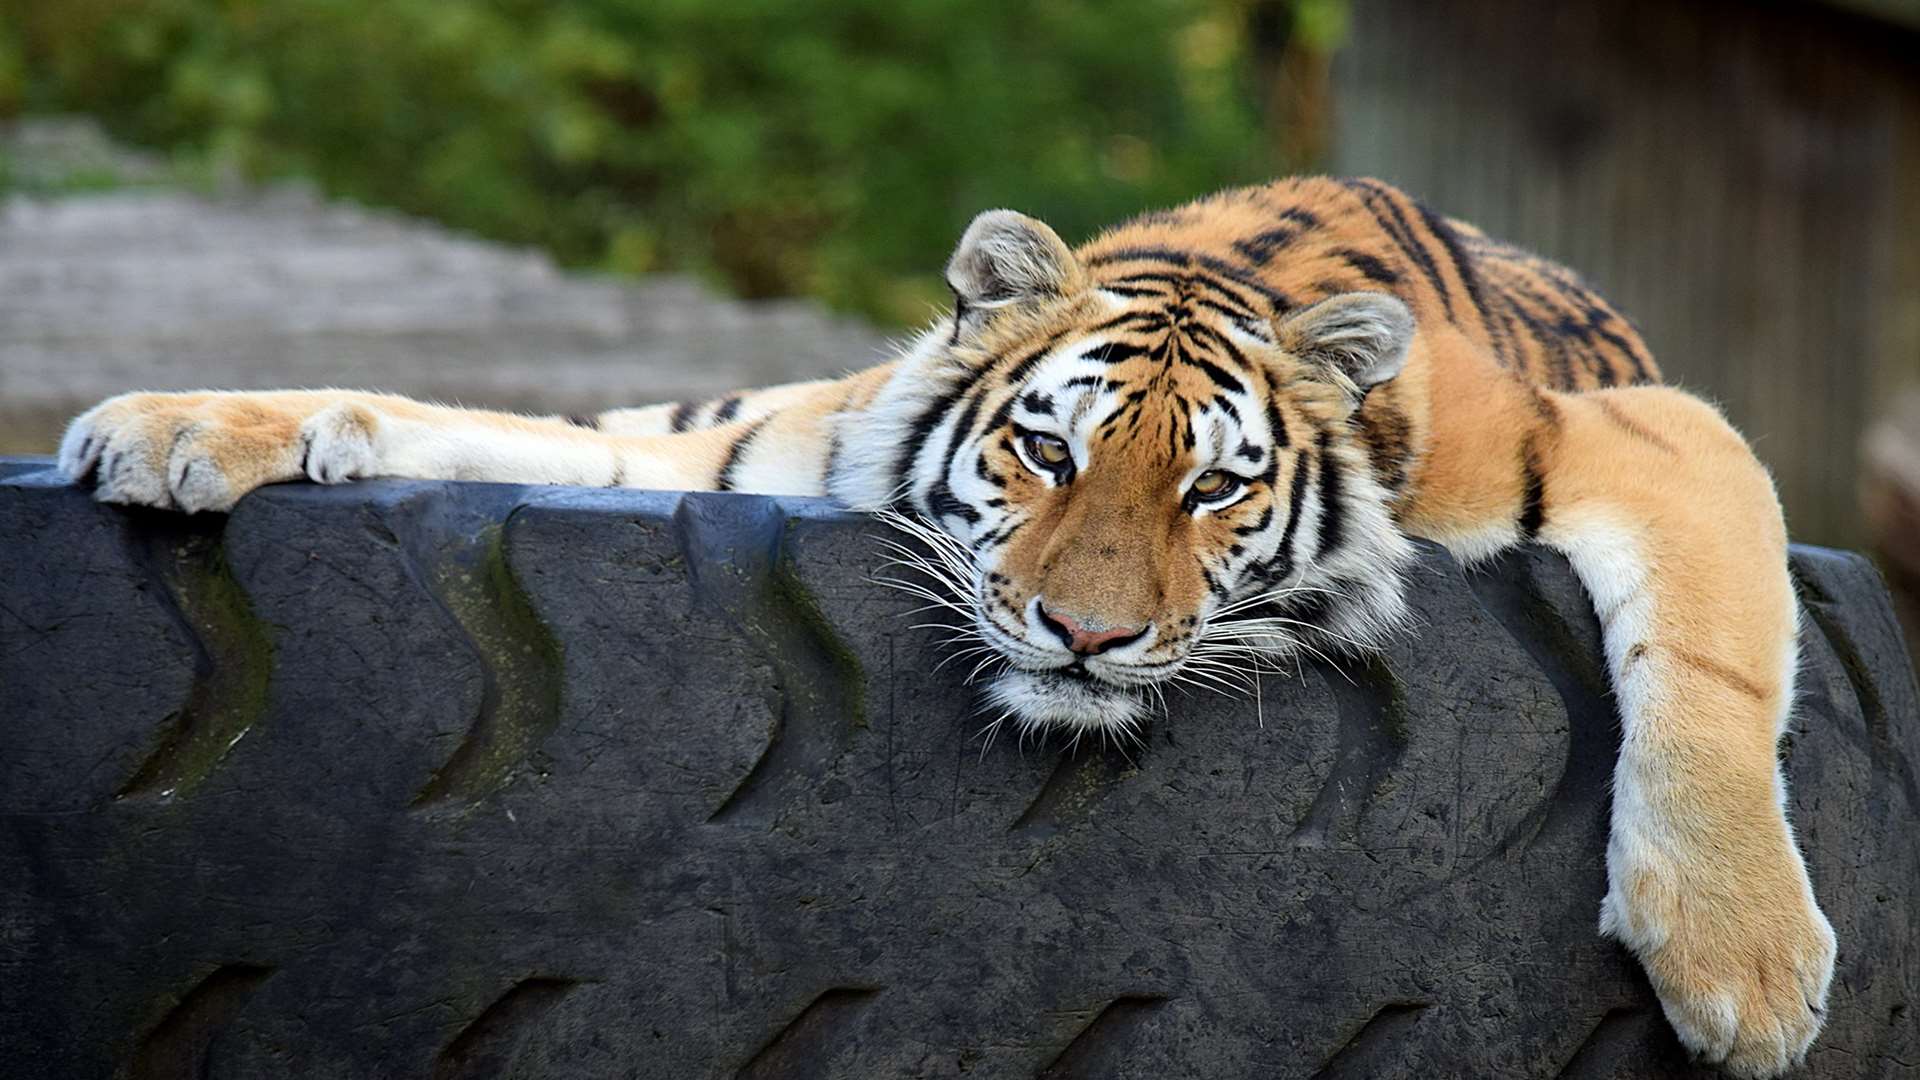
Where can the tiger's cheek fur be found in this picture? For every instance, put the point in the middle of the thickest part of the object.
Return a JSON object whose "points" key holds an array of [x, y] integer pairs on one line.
{"points": [[1193, 544], [1011, 541]]}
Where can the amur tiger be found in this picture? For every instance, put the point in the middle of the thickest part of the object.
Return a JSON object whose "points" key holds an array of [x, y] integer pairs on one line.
{"points": [[1244, 405]]}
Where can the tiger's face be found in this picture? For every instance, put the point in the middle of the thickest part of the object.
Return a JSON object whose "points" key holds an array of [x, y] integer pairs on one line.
{"points": [[1140, 472]]}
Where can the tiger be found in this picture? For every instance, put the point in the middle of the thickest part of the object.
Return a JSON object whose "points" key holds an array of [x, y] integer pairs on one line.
{"points": [[1252, 403]]}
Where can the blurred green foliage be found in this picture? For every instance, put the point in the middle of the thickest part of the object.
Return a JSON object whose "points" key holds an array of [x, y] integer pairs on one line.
{"points": [[826, 147]]}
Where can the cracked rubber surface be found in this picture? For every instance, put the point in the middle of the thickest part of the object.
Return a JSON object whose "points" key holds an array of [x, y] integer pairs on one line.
{"points": [[462, 781]]}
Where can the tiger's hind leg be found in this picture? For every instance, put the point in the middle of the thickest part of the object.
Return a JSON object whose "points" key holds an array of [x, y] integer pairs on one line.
{"points": [[1674, 528]]}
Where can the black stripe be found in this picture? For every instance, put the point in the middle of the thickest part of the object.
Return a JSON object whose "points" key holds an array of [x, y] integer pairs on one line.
{"points": [[1277, 426], [1241, 276], [1620, 343], [1490, 255], [1184, 425], [1238, 275], [833, 460], [1158, 277], [1113, 418], [1369, 267], [1545, 409], [1386, 211], [727, 409], [940, 498], [591, 423], [1230, 285], [1585, 323], [998, 420], [682, 416], [1026, 363], [1260, 248], [1332, 514], [1533, 498], [1306, 219], [1231, 311], [1462, 267], [1265, 519], [1387, 433], [1282, 562], [1636, 356], [1114, 352], [923, 426], [943, 504], [999, 536], [1545, 335], [1221, 377], [985, 472], [1141, 254], [1127, 319], [724, 481], [1219, 340], [1378, 201]]}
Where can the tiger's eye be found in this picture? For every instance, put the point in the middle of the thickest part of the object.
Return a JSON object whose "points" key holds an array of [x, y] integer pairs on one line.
{"points": [[1214, 484], [1048, 450]]}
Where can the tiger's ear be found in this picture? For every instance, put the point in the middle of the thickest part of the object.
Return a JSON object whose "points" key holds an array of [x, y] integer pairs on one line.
{"points": [[1006, 259], [1355, 340]]}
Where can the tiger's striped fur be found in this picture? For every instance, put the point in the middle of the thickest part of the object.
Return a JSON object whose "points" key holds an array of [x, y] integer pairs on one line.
{"points": [[1201, 442]]}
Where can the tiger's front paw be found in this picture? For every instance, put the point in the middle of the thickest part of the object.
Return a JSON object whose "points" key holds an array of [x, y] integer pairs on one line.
{"points": [[204, 451], [1739, 953]]}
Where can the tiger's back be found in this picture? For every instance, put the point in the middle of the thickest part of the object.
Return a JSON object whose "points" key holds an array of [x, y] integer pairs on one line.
{"points": [[1301, 240], [1296, 241]]}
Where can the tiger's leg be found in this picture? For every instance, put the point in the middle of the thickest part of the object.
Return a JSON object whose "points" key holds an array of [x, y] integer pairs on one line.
{"points": [[203, 451], [676, 417], [1674, 528]]}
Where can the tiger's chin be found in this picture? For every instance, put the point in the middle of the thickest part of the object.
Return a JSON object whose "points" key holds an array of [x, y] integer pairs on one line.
{"points": [[1076, 703]]}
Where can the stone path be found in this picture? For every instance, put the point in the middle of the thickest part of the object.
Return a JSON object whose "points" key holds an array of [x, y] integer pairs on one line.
{"points": [[159, 289]]}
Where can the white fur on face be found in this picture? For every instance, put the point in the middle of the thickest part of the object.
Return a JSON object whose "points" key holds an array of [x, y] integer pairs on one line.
{"points": [[1037, 700]]}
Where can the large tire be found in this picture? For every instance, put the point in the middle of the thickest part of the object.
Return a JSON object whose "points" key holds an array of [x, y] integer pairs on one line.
{"points": [[426, 780]]}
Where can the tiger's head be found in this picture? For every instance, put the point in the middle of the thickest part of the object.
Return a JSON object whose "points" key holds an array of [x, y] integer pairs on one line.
{"points": [[1140, 466]]}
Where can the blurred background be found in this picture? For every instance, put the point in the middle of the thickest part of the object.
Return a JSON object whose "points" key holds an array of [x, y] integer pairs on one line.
{"points": [[564, 204]]}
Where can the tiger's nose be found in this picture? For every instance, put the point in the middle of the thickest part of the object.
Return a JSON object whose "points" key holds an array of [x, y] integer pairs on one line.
{"points": [[1084, 641]]}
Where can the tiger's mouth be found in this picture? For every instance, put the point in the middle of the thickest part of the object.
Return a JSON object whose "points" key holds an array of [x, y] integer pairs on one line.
{"points": [[1070, 697]]}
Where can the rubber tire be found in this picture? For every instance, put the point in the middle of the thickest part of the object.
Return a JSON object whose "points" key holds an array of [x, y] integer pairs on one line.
{"points": [[430, 780]]}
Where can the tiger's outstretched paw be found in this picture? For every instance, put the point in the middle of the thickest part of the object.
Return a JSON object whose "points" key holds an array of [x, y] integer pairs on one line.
{"points": [[1741, 965], [195, 452]]}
